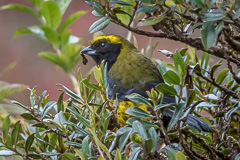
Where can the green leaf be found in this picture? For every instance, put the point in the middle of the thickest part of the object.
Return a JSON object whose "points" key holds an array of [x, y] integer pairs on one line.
{"points": [[216, 15], [81, 119], [91, 86], [151, 21], [137, 98], [19, 8], [21, 105], [7, 89], [118, 155], [138, 127], [63, 4], [146, 124], [75, 144], [134, 154], [123, 140], [165, 89], [15, 132], [47, 108], [52, 14], [176, 115], [191, 98], [208, 35], [51, 35], [120, 2], [29, 142], [41, 98], [222, 75], [6, 153], [153, 135], [230, 112], [147, 9], [99, 25], [135, 138], [33, 96], [49, 153], [179, 65], [70, 20], [149, 145], [60, 105], [237, 157], [138, 112], [160, 106], [28, 116], [171, 153], [85, 147], [52, 57], [147, 1], [180, 156], [162, 67], [171, 77], [67, 156], [31, 30], [5, 128]]}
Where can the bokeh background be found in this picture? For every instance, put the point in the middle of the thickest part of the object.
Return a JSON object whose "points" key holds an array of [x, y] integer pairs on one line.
{"points": [[33, 70]]}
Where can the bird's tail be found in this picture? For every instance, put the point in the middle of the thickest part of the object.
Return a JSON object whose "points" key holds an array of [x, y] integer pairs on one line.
{"points": [[192, 121]]}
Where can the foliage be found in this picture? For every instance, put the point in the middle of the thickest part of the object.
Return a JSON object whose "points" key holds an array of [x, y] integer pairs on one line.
{"points": [[83, 127]]}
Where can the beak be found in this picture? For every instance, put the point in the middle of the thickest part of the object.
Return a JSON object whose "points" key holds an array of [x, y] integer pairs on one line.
{"points": [[89, 51]]}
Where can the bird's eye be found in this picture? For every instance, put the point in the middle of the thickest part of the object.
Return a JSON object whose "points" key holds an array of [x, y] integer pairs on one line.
{"points": [[103, 44]]}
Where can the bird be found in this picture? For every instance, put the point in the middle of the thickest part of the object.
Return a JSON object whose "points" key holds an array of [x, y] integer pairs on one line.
{"points": [[128, 72]]}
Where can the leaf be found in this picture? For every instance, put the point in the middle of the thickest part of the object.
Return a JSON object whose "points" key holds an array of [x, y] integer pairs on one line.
{"points": [[138, 127], [147, 9], [160, 106], [5, 128], [99, 25], [101, 145], [166, 89], [180, 156], [138, 112], [120, 2], [216, 15], [230, 112], [171, 153], [151, 20], [52, 14], [7, 89], [171, 77], [67, 156], [15, 132], [148, 145], [91, 86], [135, 138], [47, 108], [137, 98], [135, 153], [60, 105], [208, 35], [153, 135], [162, 67], [118, 155], [8, 68], [123, 140], [52, 57], [51, 35], [6, 153], [19, 8], [63, 4], [222, 75], [146, 124], [191, 98], [29, 142], [81, 119], [179, 65], [28, 116], [70, 20], [237, 157], [176, 115], [49, 153]]}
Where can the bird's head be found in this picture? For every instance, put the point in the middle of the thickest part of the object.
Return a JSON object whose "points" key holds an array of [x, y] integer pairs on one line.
{"points": [[108, 48]]}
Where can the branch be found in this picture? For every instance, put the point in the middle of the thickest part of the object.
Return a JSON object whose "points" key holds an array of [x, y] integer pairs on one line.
{"points": [[223, 89], [196, 43]]}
